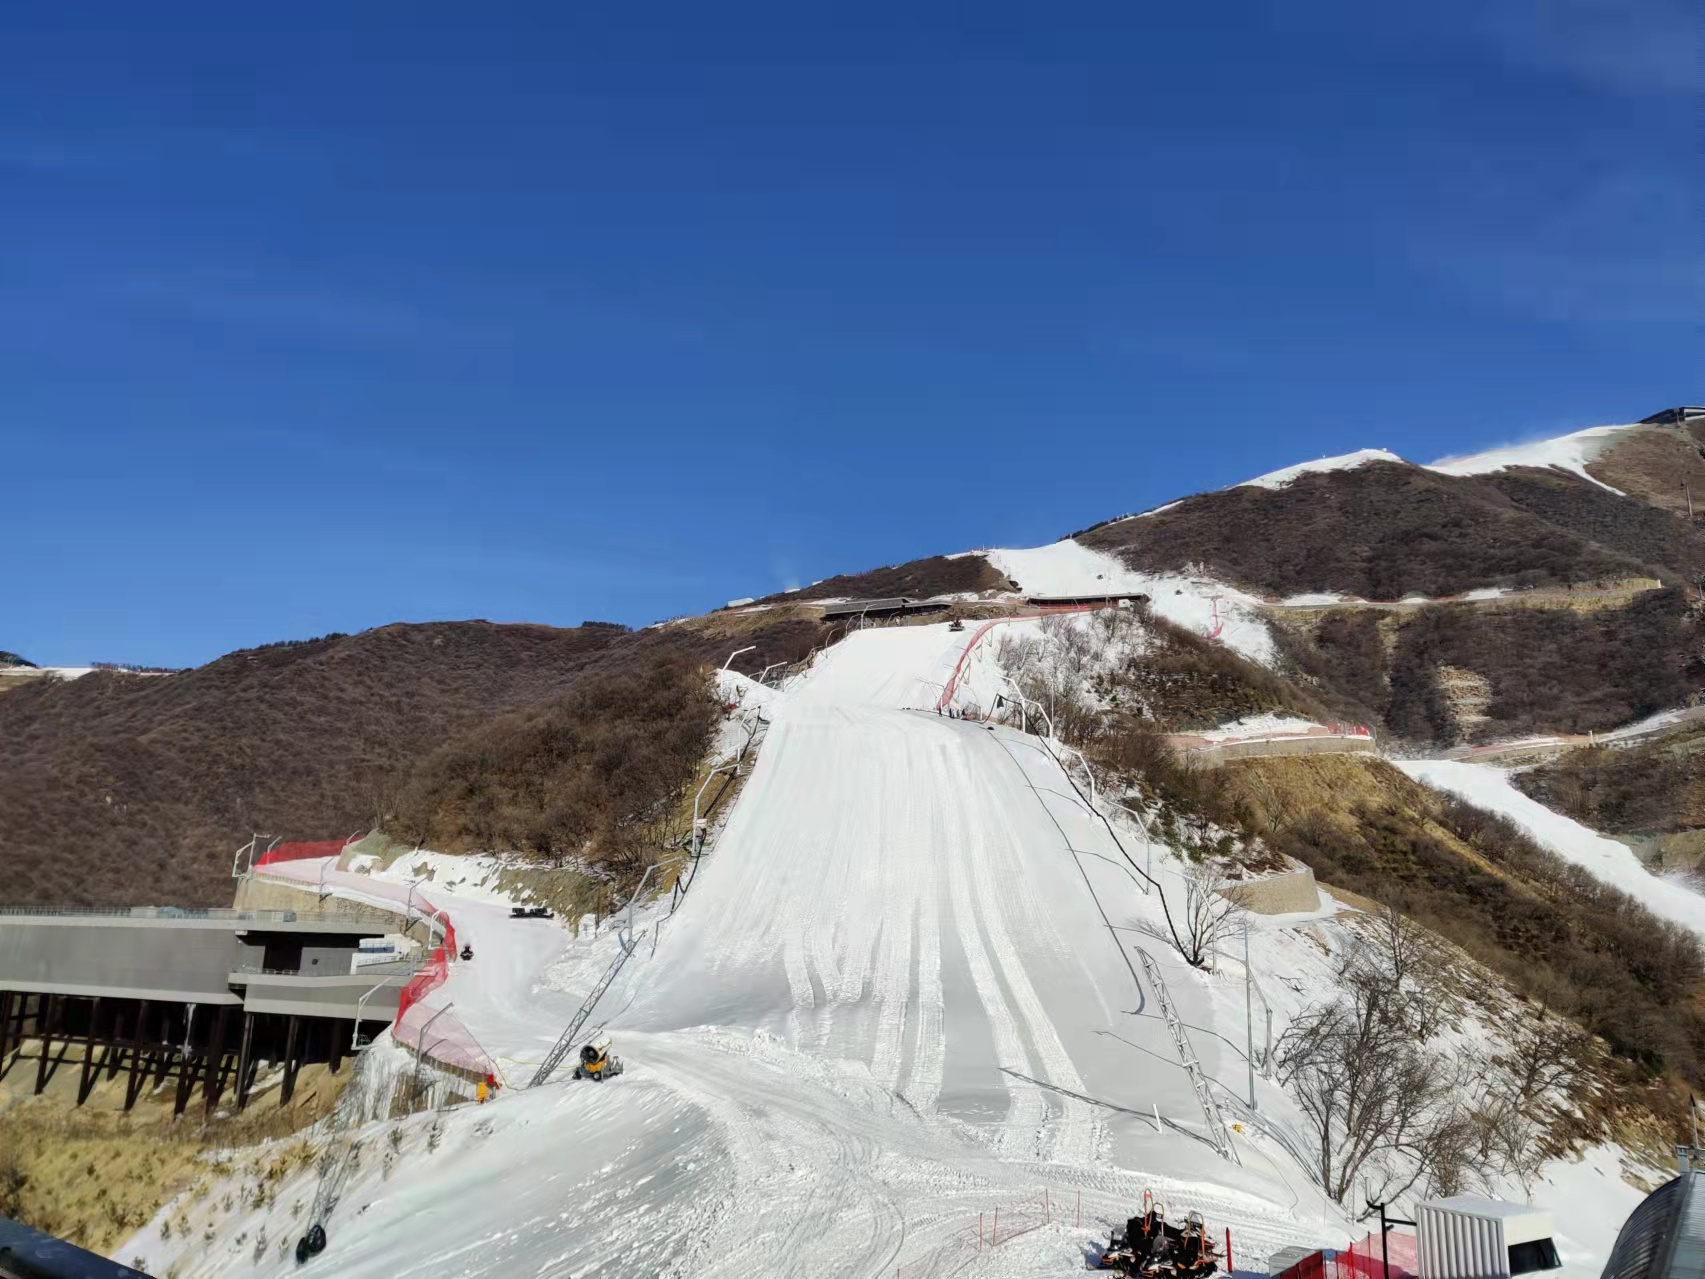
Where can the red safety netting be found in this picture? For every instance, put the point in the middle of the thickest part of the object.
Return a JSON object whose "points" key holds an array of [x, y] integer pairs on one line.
{"points": [[1313, 1266], [436, 969], [301, 851], [1364, 1260], [439, 1034]]}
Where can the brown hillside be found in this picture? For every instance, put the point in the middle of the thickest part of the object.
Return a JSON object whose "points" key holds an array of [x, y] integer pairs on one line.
{"points": [[937, 575], [117, 790], [1556, 933], [1656, 788], [1541, 669], [1657, 465], [1389, 529]]}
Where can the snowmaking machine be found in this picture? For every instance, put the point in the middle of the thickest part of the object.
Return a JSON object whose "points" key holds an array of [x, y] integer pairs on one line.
{"points": [[597, 1061], [1154, 1247]]}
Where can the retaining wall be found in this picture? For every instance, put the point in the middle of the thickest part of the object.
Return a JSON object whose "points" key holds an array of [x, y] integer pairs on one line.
{"points": [[1214, 756], [1287, 893], [257, 893]]}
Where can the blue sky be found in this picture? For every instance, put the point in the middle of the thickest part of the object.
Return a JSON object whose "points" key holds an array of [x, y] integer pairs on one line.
{"points": [[548, 312]]}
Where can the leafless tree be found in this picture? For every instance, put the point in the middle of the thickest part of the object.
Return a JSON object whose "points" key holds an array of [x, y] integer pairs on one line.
{"points": [[1405, 957], [1374, 1097], [1547, 1056], [1208, 914]]}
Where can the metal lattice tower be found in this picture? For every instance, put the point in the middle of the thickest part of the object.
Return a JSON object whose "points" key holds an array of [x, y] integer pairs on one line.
{"points": [[1217, 1132], [566, 1044]]}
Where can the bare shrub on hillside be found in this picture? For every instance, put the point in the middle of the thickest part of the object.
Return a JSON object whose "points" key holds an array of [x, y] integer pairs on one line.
{"points": [[1550, 928], [1654, 788], [589, 775], [1179, 681], [1378, 1099], [1549, 669], [1053, 672]]}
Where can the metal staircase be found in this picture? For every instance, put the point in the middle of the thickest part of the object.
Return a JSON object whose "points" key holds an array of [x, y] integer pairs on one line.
{"points": [[1217, 1131]]}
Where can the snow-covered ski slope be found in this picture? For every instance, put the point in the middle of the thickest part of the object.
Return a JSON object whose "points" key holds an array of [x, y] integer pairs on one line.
{"points": [[902, 992], [1605, 858]]}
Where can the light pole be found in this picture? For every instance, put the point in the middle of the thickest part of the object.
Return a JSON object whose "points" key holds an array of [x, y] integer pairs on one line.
{"points": [[737, 652], [355, 1035], [628, 945], [1248, 1015], [697, 821], [408, 904]]}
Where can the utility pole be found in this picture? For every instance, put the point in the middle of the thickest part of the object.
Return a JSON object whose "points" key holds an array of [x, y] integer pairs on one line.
{"points": [[1248, 1015], [1385, 1225]]}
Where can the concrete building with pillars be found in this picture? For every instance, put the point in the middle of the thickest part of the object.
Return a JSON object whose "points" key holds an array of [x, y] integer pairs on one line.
{"points": [[200, 997]]}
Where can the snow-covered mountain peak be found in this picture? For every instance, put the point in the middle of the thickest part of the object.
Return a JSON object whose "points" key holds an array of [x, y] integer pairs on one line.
{"points": [[1569, 453], [1343, 462]]}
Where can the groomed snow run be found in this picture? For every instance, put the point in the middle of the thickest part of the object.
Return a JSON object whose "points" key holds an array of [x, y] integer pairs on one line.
{"points": [[1607, 859], [1343, 462], [903, 993], [1565, 452], [1070, 569]]}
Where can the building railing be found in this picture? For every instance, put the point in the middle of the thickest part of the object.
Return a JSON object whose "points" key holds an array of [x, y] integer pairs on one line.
{"points": [[401, 968], [228, 913]]}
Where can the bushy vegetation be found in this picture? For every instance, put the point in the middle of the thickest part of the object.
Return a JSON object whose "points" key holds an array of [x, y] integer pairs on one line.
{"points": [[1386, 530], [1181, 681], [589, 775], [1548, 669], [120, 790], [1656, 788], [1636, 529]]}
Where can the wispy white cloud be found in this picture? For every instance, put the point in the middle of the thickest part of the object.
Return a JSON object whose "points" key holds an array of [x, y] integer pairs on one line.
{"points": [[1622, 249], [1626, 46]]}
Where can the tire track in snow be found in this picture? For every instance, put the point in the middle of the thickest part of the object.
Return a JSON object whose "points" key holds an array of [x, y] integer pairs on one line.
{"points": [[1026, 1108], [1073, 1137], [894, 987], [929, 1050]]}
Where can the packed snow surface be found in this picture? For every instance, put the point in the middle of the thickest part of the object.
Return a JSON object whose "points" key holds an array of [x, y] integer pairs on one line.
{"points": [[1607, 859], [1344, 462], [1566, 453], [903, 992], [1268, 725], [1072, 570]]}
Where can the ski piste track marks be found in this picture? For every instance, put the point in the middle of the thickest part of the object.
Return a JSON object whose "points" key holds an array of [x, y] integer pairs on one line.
{"points": [[888, 1005]]}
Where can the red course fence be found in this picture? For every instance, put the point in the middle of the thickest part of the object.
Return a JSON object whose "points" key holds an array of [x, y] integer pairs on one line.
{"points": [[301, 851], [1362, 1260]]}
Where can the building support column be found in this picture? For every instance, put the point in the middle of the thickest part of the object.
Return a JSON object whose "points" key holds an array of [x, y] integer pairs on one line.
{"points": [[44, 1026], [6, 998], [85, 1083], [245, 1056], [291, 1064], [215, 1083]]}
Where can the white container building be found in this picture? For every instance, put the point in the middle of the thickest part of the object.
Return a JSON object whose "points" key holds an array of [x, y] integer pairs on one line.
{"points": [[1473, 1237]]}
